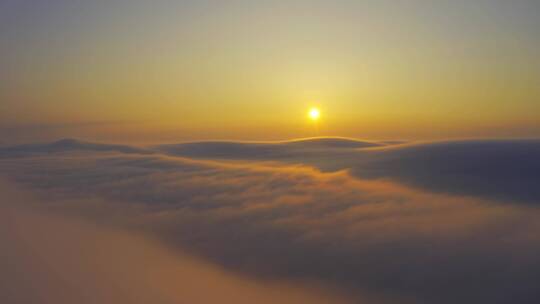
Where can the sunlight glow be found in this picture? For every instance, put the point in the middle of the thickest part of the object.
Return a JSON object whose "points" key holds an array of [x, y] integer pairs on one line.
{"points": [[314, 114]]}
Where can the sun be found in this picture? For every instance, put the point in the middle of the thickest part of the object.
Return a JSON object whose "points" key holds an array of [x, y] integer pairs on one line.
{"points": [[314, 114]]}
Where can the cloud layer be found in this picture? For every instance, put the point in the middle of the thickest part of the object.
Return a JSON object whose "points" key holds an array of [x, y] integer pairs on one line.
{"points": [[321, 213], [496, 169], [50, 258]]}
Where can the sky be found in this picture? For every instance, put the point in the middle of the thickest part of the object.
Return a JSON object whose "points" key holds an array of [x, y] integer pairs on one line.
{"points": [[149, 71]]}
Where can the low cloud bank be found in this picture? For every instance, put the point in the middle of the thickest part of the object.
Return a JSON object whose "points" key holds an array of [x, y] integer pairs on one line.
{"points": [[284, 221], [48, 258], [505, 170]]}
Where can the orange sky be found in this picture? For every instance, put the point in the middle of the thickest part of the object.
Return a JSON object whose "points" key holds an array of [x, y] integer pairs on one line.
{"points": [[134, 71]]}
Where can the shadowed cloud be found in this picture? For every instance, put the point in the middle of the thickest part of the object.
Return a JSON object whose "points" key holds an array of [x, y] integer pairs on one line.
{"points": [[51, 258], [495, 169], [373, 238]]}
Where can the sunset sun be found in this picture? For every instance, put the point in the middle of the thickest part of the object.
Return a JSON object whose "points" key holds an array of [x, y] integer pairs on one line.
{"points": [[314, 114]]}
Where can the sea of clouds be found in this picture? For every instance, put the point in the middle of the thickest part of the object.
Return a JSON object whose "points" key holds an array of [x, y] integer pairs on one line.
{"points": [[331, 220]]}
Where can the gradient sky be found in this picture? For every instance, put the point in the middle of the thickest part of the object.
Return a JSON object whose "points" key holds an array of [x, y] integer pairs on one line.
{"points": [[143, 71]]}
